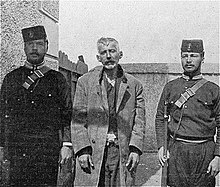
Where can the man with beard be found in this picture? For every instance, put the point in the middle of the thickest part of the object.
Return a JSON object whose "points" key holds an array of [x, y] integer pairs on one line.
{"points": [[35, 115], [193, 106], [109, 121]]}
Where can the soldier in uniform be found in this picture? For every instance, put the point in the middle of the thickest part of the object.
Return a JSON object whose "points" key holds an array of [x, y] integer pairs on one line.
{"points": [[109, 122], [35, 116], [194, 118]]}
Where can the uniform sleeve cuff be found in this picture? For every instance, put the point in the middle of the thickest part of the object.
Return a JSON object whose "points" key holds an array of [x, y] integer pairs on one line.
{"points": [[67, 144], [135, 150]]}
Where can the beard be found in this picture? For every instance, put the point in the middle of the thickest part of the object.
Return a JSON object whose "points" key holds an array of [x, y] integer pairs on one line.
{"points": [[110, 65]]}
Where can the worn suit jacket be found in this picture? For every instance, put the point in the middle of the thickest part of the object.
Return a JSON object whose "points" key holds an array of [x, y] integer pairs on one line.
{"points": [[90, 123]]}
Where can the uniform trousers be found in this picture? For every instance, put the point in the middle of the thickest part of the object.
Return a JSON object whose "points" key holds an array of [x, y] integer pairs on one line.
{"points": [[110, 173], [33, 170], [188, 164]]}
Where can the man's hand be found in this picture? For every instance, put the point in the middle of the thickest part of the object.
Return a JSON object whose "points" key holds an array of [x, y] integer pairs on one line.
{"points": [[133, 161], [161, 158], [85, 161], [214, 166], [66, 153]]}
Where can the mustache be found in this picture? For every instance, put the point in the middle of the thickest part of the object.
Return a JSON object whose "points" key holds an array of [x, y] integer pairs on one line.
{"points": [[110, 61], [34, 53]]}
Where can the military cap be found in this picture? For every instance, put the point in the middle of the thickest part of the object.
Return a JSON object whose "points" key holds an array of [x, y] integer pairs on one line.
{"points": [[195, 46], [34, 33]]}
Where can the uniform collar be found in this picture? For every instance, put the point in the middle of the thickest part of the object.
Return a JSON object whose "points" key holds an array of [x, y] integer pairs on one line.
{"points": [[197, 77], [34, 67]]}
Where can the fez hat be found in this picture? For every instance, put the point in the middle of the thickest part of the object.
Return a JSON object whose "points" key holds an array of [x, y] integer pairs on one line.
{"points": [[34, 33], [195, 46]]}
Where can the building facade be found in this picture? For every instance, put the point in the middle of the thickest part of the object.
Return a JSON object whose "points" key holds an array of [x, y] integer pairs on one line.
{"points": [[18, 14]]}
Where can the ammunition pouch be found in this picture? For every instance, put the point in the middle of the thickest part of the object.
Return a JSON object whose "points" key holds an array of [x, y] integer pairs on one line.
{"points": [[176, 115]]}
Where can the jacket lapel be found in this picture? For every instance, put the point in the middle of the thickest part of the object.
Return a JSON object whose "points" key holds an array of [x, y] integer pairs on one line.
{"points": [[101, 92], [122, 89], [104, 96]]}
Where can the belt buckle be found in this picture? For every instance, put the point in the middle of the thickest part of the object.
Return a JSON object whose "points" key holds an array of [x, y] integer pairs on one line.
{"points": [[190, 92]]}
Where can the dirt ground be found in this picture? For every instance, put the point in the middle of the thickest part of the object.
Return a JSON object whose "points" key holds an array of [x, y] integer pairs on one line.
{"points": [[148, 167]]}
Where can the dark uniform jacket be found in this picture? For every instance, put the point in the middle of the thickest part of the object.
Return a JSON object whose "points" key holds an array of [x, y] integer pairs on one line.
{"points": [[30, 119], [201, 113]]}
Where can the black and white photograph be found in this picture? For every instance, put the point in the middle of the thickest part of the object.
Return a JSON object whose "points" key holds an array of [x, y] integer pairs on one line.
{"points": [[107, 93]]}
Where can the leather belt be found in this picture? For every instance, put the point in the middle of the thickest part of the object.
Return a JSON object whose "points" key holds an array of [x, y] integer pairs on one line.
{"points": [[189, 139]]}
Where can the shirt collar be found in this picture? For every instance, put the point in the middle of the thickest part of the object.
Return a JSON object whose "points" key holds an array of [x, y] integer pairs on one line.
{"points": [[120, 74], [112, 82], [197, 77], [34, 67]]}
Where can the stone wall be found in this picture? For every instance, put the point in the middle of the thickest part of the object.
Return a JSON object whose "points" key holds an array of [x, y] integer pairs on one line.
{"points": [[153, 77], [18, 14]]}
